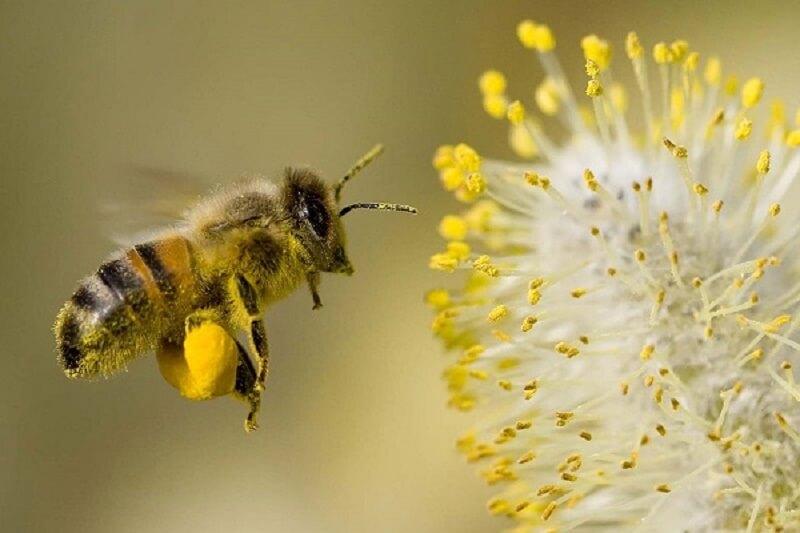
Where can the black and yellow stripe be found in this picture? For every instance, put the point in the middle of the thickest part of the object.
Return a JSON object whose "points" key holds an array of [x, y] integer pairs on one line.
{"points": [[123, 309]]}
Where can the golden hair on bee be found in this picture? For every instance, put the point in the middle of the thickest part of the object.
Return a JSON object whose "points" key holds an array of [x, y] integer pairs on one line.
{"points": [[188, 292]]}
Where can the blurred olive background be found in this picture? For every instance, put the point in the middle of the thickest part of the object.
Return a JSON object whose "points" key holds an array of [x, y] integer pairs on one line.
{"points": [[354, 432]]}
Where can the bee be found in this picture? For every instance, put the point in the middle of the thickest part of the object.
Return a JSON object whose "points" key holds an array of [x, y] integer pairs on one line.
{"points": [[190, 291]]}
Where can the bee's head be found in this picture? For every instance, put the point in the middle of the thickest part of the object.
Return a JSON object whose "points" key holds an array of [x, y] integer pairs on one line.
{"points": [[311, 206], [316, 215]]}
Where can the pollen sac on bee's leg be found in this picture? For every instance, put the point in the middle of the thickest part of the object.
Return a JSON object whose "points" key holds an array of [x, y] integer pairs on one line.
{"points": [[205, 366]]}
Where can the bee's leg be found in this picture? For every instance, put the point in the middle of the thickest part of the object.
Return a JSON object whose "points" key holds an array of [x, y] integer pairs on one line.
{"points": [[245, 388], [313, 285], [258, 342]]}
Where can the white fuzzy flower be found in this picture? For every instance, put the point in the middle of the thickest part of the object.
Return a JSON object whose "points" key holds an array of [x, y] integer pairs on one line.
{"points": [[627, 333]]}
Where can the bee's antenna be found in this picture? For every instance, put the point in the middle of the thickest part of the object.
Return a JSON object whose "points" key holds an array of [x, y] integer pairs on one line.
{"points": [[386, 207], [368, 158]]}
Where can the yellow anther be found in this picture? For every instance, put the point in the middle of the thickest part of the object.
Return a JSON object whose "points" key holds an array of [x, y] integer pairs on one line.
{"points": [[459, 250], [592, 68], [498, 506], [443, 157], [678, 152], [534, 179], [566, 476], [611, 271], [679, 50], [700, 189], [649, 380], [719, 116], [534, 296], [523, 424], [662, 53], [548, 511], [632, 46], [453, 227], [495, 106], [713, 71], [567, 349], [594, 88], [743, 129], [731, 85], [467, 158], [476, 183], [546, 96], [661, 430], [763, 162], [647, 352], [480, 375], [623, 388], [492, 82], [717, 206], [522, 506], [437, 298], [640, 255], [528, 322], [585, 435], [516, 112], [527, 458], [498, 313], [675, 404], [663, 488], [483, 264], [775, 210], [697, 283], [535, 36], [751, 92], [443, 262], [793, 138], [584, 339], [690, 65], [452, 178], [546, 489], [597, 49]]}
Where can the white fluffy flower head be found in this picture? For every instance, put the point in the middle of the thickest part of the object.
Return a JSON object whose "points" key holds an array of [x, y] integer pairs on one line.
{"points": [[626, 335]]}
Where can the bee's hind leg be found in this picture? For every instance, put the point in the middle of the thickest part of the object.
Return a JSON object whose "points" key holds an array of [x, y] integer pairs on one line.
{"points": [[245, 387], [257, 335]]}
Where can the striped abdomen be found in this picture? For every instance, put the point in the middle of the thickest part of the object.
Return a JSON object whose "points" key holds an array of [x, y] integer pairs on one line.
{"points": [[125, 308]]}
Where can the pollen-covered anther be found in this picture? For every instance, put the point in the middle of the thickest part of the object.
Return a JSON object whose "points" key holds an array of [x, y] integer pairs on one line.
{"points": [[563, 417], [751, 92], [492, 82], [476, 183], [594, 88], [567, 350], [526, 458], [663, 488], [516, 112], [566, 476], [647, 352], [504, 384], [597, 50], [633, 47], [743, 129], [578, 293], [661, 430], [585, 435], [497, 314], [535, 36], [528, 322], [548, 511], [453, 227], [535, 180], [483, 264]]}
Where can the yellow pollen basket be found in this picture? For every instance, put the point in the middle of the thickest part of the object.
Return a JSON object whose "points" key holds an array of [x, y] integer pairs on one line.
{"points": [[206, 366]]}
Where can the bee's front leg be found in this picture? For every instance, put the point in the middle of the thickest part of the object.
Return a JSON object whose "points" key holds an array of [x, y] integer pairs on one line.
{"points": [[246, 294], [313, 285]]}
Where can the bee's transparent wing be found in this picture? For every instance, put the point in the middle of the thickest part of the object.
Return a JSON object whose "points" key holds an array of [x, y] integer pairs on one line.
{"points": [[148, 199]]}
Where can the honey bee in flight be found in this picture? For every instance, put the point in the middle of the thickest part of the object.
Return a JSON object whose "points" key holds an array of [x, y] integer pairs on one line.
{"points": [[189, 291]]}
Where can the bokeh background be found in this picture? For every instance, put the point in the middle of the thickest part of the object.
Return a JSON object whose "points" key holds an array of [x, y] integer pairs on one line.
{"points": [[355, 435]]}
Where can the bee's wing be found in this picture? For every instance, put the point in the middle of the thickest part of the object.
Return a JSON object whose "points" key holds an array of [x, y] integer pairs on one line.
{"points": [[149, 199]]}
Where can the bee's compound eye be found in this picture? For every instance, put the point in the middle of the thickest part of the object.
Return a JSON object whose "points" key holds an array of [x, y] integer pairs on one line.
{"points": [[318, 216]]}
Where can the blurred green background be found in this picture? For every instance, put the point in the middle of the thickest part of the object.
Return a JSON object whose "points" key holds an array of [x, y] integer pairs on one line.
{"points": [[355, 435]]}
